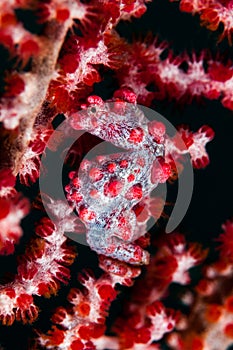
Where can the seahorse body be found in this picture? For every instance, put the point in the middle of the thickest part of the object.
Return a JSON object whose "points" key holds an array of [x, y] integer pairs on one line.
{"points": [[105, 190]]}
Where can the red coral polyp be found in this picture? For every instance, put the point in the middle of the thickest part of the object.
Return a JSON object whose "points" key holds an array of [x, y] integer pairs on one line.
{"points": [[14, 85], [28, 48], [219, 72], [62, 14]]}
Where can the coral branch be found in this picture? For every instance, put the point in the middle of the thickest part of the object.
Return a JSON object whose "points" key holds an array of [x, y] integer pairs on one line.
{"points": [[40, 270], [13, 209], [145, 319], [22, 110], [211, 307], [83, 326], [204, 76], [212, 13], [195, 146]]}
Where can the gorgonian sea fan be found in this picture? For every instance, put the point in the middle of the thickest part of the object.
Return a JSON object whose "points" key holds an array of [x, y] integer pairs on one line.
{"points": [[60, 59]]}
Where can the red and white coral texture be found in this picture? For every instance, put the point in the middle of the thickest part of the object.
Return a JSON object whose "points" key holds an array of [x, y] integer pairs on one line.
{"points": [[54, 68]]}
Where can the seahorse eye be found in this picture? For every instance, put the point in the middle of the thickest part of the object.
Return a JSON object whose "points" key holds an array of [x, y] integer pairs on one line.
{"points": [[93, 109]]}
